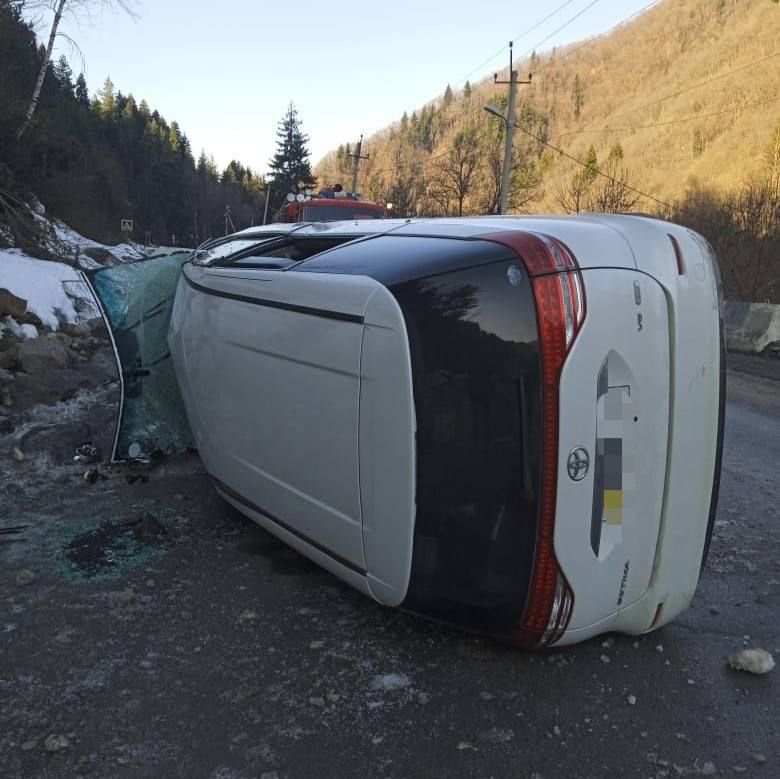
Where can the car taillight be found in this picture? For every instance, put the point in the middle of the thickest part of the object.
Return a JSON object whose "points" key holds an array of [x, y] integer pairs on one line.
{"points": [[559, 293]]}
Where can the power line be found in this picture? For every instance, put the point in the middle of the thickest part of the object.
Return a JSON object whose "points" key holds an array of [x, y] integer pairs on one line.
{"points": [[699, 84], [541, 21], [514, 40], [600, 172], [614, 27], [671, 121], [562, 27], [420, 163]]}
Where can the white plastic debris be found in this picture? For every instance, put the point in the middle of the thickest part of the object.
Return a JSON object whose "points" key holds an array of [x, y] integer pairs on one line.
{"points": [[390, 682], [755, 661], [631, 700]]}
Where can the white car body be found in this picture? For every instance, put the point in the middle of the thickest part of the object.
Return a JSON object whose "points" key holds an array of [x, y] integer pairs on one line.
{"points": [[300, 388]]}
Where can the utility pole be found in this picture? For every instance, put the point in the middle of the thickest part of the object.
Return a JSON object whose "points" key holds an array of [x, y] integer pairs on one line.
{"points": [[510, 126], [228, 221], [267, 198], [357, 157]]}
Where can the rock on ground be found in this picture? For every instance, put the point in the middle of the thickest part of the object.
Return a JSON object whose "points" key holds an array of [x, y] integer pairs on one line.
{"points": [[42, 354], [11, 305], [755, 661]]}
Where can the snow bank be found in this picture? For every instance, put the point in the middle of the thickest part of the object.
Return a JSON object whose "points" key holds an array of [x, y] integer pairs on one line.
{"points": [[39, 282], [122, 251], [62, 237]]}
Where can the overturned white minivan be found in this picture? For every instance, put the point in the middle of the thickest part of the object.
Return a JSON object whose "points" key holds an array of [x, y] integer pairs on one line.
{"points": [[510, 424]]}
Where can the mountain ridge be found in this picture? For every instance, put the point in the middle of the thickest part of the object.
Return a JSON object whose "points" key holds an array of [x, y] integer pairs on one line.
{"points": [[686, 93]]}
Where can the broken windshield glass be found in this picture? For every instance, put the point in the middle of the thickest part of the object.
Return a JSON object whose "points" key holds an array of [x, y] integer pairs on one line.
{"points": [[137, 299]]}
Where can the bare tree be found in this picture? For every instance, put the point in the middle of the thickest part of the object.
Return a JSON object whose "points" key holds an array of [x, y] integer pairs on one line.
{"points": [[453, 175], [743, 226], [572, 196], [611, 192], [77, 8], [603, 188], [492, 169], [526, 180], [755, 214]]}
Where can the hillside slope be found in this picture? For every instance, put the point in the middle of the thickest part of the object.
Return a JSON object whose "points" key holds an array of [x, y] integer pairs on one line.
{"points": [[718, 60]]}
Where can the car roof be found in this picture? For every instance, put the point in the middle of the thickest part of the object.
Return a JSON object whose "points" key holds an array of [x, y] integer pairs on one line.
{"points": [[597, 240], [444, 227]]}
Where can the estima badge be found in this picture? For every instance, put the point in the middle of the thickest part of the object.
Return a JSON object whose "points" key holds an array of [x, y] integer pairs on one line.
{"points": [[578, 463]]}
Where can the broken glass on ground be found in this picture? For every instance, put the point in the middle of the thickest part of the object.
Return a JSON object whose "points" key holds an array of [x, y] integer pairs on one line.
{"points": [[137, 299], [107, 550]]}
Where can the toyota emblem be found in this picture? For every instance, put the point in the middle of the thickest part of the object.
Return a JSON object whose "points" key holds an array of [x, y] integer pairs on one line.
{"points": [[578, 463]]}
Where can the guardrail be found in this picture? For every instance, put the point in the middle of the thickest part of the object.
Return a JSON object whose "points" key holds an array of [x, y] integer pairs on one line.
{"points": [[753, 327]]}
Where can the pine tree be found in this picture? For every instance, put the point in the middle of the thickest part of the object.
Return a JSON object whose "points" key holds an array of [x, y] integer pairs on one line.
{"points": [[447, 99], [772, 157], [591, 169], [290, 166], [577, 96], [174, 137], [697, 143], [616, 152], [106, 100], [467, 90], [130, 109], [64, 75], [82, 93]]}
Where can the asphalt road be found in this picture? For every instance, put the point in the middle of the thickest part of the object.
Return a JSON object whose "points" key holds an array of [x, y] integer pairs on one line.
{"points": [[163, 635]]}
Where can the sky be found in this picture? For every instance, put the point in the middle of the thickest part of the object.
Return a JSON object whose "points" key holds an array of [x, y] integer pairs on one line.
{"points": [[226, 71]]}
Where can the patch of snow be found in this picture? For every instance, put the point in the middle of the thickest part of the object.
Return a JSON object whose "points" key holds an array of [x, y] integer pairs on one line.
{"points": [[62, 237], [127, 251], [390, 682], [39, 282], [26, 332], [755, 661], [87, 263]]}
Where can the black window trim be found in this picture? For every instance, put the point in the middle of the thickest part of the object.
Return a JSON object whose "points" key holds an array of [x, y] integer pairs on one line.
{"points": [[279, 241]]}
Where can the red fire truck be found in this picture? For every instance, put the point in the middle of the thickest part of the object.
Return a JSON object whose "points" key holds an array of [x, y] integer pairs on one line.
{"points": [[330, 204]]}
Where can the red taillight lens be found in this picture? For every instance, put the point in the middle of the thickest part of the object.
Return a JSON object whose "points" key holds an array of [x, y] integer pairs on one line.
{"points": [[560, 309]]}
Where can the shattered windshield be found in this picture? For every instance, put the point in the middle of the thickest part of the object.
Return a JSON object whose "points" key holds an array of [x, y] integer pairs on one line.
{"points": [[137, 299]]}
